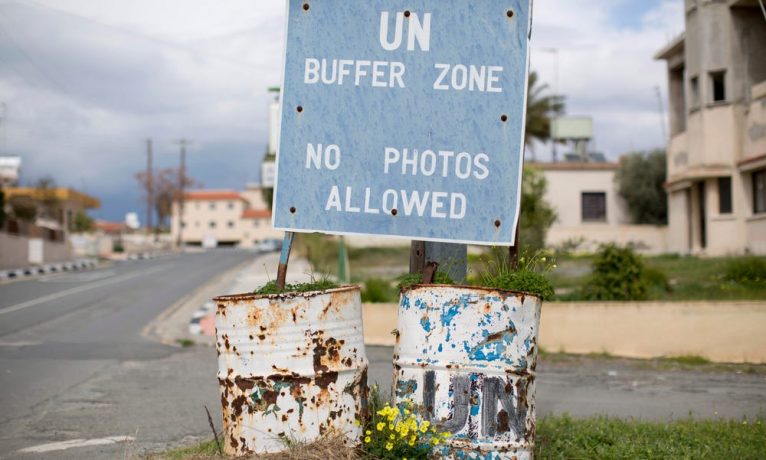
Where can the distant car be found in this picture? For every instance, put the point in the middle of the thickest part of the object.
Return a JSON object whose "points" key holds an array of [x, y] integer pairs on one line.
{"points": [[270, 245]]}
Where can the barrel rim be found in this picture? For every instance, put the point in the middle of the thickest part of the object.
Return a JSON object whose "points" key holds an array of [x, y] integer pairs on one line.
{"points": [[244, 297], [503, 292]]}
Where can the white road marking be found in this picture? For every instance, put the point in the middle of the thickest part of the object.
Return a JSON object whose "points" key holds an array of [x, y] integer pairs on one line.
{"points": [[63, 445], [19, 344], [78, 289]]}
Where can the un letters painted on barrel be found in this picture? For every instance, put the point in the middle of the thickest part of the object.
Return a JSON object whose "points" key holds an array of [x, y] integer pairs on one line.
{"points": [[466, 357], [291, 367]]}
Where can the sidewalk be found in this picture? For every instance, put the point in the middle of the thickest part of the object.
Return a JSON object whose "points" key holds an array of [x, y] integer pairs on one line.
{"points": [[192, 319]]}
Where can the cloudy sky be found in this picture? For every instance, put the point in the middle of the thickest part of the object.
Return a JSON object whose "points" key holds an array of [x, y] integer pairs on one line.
{"points": [[85, 82]]}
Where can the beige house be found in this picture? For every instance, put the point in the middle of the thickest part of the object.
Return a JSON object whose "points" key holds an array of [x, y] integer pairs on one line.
{"points": [[589, 210], [717, 149], [223, 218]]}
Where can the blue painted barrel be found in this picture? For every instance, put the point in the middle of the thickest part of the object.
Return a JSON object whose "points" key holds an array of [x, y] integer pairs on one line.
{"points": [[466, 356]]}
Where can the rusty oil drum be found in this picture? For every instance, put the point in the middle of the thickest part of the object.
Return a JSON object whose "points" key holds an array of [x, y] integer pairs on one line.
{"points": [[291, 367], [466, 356]]}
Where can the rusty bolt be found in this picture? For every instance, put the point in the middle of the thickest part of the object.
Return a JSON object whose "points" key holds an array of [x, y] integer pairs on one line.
{"points": [[503, 117], [292, 209], [306, 7], [509, 13], [498, 223], [394, 212], [299, 109], [407, 13]]}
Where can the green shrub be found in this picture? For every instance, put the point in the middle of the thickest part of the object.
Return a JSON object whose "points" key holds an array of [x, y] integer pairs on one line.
{"points": [[618, 274], [377, 290], [748, 269], [523, 280]]}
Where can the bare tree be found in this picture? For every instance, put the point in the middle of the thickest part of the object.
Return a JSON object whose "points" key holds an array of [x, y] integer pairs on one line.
{"points": [[165, 190]]}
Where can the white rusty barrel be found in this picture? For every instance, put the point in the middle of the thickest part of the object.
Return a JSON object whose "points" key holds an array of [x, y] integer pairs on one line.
{"points": [[291, 367], [466, 357]]}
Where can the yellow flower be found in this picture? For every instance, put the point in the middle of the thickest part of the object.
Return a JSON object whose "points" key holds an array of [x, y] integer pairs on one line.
{"points": [[411, 443], [367, 439], [391, 426], [380, 426], [368, 432], [389, 446], [392, 436]]}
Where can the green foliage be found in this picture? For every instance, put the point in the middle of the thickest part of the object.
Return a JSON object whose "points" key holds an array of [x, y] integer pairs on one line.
{"points": [[377, 290], [118, 247], [537, 215], [618, 274], [396, 433], [320, 250], [610, 438], [81, 223], [314, 285], [689, 360], [23, 210], [640, 182], [530, 276], [746, 270], [540, 109], [410, 279]]}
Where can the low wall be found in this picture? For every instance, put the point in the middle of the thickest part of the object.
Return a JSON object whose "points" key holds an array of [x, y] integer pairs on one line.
{"points": [[14, 251], [720, 331]]}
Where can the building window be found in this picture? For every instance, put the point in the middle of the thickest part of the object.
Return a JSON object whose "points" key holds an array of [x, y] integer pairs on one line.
{"points": [[183, 224], [211, 224], [593, 206], [211, 206], [724, 195], [230, 205], [256, 223], [230, 224], [759, 192], [718, 83], [694, 90]]}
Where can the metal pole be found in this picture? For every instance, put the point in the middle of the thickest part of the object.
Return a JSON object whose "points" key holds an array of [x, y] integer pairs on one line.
{"points": [[284, 258], [149, 187], [451, 258]]}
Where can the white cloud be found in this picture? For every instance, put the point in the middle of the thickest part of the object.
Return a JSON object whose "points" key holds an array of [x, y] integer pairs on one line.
{"points": [[86, 82]]}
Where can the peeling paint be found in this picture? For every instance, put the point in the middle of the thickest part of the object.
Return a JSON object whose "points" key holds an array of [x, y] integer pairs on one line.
{"points": [[472, 372], [290, 366]]}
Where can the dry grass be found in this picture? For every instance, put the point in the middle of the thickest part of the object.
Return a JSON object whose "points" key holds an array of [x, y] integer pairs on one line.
{"points": [[323, 449]]}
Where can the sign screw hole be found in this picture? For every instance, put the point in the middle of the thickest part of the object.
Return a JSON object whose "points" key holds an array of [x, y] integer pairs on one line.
{"points": [[292, 210], [497, 223], [394, 212], [300, 109], [306, 7], [503, 117], [509, 13], [407, 13]]}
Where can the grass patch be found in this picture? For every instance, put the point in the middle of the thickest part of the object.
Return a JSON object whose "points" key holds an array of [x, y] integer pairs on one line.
{"points": [[319, 285], [688, 360], [687, 277], [186, 343], [410, 279], [563, 437]]}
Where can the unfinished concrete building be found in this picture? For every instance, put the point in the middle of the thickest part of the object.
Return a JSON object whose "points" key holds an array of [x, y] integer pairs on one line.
{"points": [[717, 148]]}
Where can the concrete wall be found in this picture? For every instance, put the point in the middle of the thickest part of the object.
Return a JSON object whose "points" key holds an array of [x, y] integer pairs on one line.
{"points": [[720, 331], [647, 239], [14, 251]]}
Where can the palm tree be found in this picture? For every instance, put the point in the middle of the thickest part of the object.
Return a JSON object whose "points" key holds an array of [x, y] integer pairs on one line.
{"points": [[541, 108]]}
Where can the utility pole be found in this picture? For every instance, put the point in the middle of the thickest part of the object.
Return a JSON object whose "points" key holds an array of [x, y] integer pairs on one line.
{"points": [[149, 188], [658, 91], [181, 185]]}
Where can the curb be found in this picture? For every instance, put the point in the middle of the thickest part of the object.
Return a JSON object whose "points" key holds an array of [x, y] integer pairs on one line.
{"points": [[79, 264]]}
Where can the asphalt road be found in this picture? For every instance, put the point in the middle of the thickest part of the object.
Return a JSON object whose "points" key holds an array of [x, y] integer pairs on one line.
{"points": [[61, 334], [76, 369]]}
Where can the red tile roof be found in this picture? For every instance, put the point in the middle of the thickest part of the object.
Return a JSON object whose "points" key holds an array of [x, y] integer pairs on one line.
{"points": [[213, 195], [110, 227], [256, 214]]}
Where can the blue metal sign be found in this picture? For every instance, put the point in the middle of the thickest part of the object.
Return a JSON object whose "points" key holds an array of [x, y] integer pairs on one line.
{"points": [[404, 118]]}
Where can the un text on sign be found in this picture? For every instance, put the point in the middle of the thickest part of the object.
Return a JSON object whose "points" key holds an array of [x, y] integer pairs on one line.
{"points": [[404, 118]]}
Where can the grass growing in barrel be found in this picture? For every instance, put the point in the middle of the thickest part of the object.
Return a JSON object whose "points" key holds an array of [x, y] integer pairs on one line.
{"points": [[316, 285], [610, 438]]}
